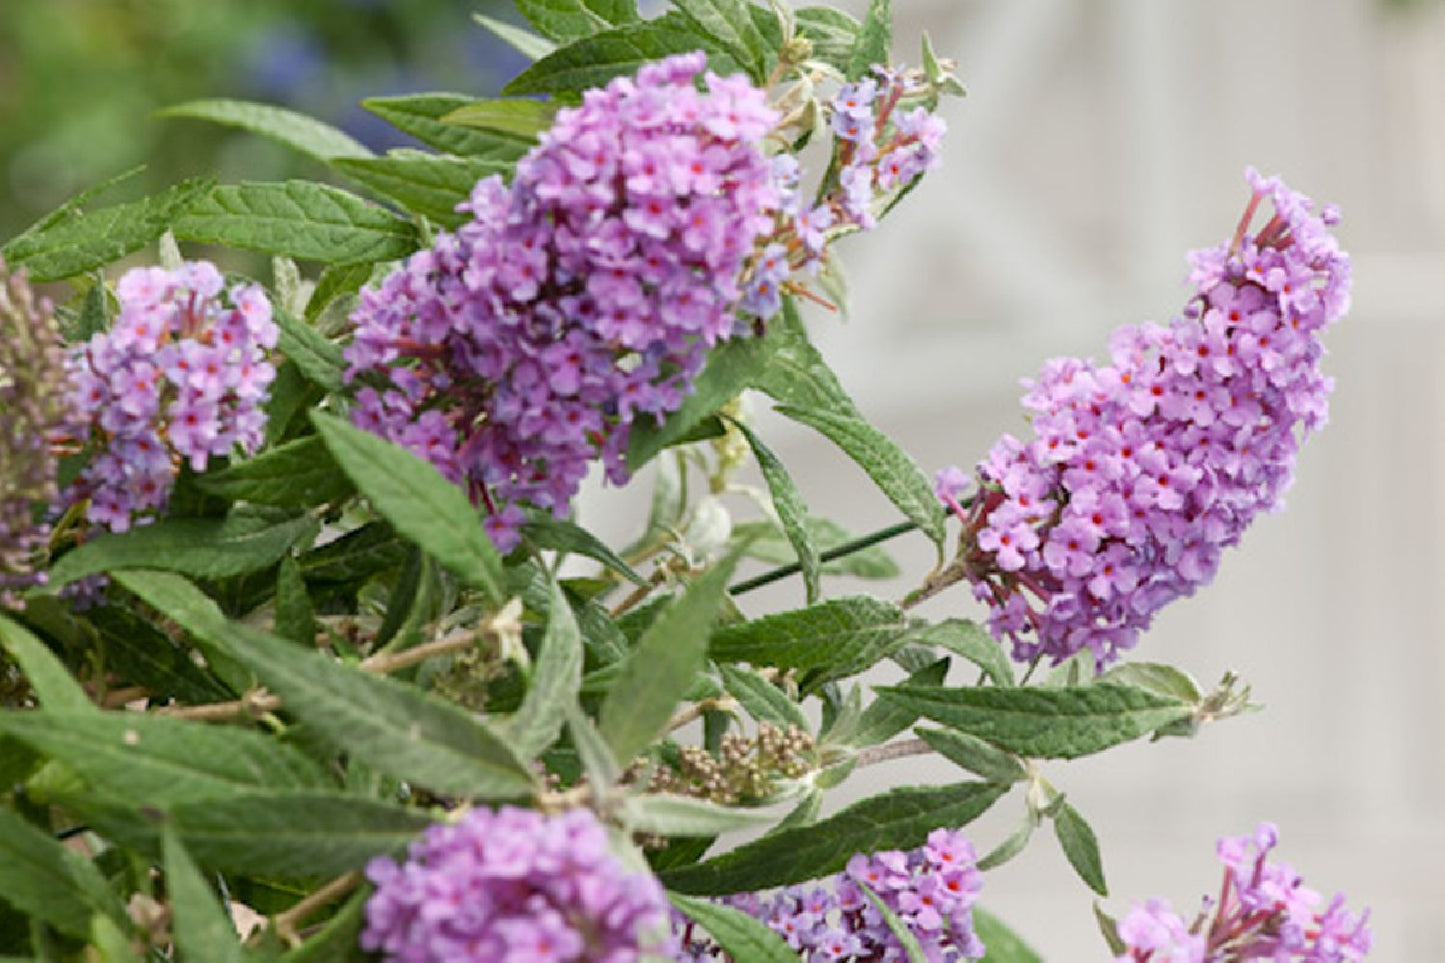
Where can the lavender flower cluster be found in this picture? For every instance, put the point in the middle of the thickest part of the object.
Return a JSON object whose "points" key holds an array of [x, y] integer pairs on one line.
{"points": [[513, 886], [181, 376], [1264, 911], [35, 418], [1142, 471], [931, 889], [583, 296]]}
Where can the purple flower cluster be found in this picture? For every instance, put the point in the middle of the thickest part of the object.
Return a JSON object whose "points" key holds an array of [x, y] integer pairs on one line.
{"points": [[1142, 471], [931, 889], [586, 294], [35, 418], [181, 376], [1263, 912], [513, 886]]}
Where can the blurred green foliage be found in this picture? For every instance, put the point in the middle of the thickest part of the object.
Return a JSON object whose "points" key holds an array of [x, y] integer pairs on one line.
{"points": [[80, 81]]}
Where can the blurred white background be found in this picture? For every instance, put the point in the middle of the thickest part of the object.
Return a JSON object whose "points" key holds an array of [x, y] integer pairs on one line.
{"points": [[1100, 142]]}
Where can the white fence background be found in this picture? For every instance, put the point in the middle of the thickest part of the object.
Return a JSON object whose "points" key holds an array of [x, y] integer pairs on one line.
{"points": [[1101, 140]]}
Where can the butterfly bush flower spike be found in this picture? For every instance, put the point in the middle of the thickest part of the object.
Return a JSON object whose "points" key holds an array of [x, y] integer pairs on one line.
{"points": [[581, 298], [181, 377], [930, 889], [35, 421], [1140, 472], [514, 886], [1263, 912]]}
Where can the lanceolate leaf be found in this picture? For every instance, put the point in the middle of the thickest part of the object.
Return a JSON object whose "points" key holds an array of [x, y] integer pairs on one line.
{"points": [[319, 359], [305, 134], [295, 615], [833, 33], [792, 513], [899, 819], [764, 701], [666, 658], [975, 755], [202, 930], [900, 930], [420, 115], [1044, 723], [730, 24], [567, 20], [47, 675], [524, 41], [394, 727], [665, 815], [75, 245], [201, 547], [556, 679], [546, 531], [874, 39], [743, 937], [299, 219], [836, 639], [892, 469], [428, 184], [519, 118], [970, 640], [422, 504], [594, 60], [147, 760], [1081, 847], [884, 719], [40, 877], [298, 474], [1004, 945]]}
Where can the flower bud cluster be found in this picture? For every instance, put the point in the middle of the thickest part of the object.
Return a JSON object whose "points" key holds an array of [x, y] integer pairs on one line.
{"points": [[181, 376], [34, 418], [581, 298], [1142, 471], [745, 769], [930, 889], [513, 885], [1264, 911]]}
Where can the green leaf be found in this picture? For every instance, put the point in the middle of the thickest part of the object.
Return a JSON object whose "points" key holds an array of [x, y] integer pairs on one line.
{"points": [[298, 474], [792, 513], [297, 131], [794, 372], [73, 205], [193, 611], [883, 720], [295, 616], [415, 497], [975, 755], [47, 675], [567, 20], [730, 23], [1109, 929], [834, 639], [599, 765], [593, 61], [390, 725], [556, 680], [898, 819], [730, 368], [355, 556], [149, 760], [874, 40], [741, 936], [320, 360], [431, 185], [420, 115], [892, 470], [764, 701], [767, 543], [1004, 945], [667, 657], [78, 244], [546, 531], [899, 929], [970, 640], [666, 815], [294, 834], [1014, 844], [1081, 847], [44, 879], [201, 547], [525, 42], [299, 219], [1165, 680], [518, 118], [1044, 723], [833, 33], [140, 654], [201, 928], [109, 943]]}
